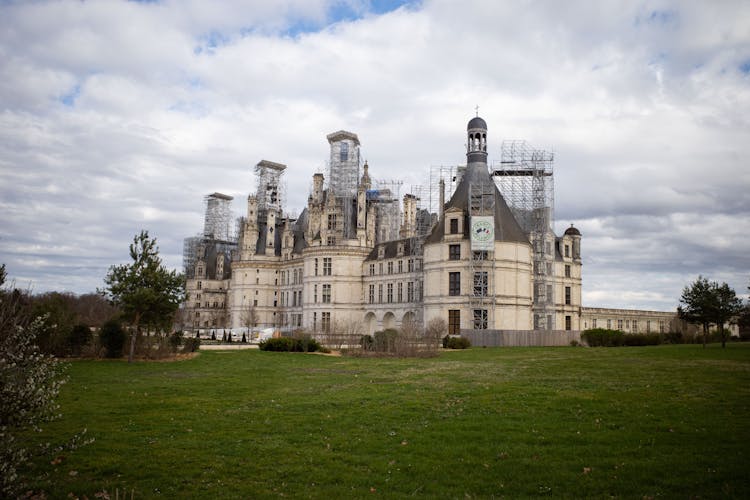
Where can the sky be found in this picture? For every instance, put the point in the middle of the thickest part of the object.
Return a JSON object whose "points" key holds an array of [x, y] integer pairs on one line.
{"points": [[119, 116]]}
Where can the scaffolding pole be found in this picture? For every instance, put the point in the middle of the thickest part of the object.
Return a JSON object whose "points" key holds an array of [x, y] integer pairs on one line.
{"points": [[386, 196], [525, 178]]}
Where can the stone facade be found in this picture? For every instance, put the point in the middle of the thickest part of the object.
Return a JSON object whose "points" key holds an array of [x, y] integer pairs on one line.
{"points": [[346, 263]]}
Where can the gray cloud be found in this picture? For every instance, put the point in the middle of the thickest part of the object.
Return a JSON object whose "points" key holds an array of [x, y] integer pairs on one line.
{"points": [[117, 116]]}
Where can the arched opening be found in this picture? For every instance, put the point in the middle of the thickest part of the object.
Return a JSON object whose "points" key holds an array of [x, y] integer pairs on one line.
{"points": [[370, 323], [389, 321]]}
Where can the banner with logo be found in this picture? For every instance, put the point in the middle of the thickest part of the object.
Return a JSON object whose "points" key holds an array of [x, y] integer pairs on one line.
{"points": [[482, 230]]}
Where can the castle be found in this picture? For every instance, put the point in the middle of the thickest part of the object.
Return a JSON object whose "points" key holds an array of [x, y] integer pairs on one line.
{"points": [[354, 256]]}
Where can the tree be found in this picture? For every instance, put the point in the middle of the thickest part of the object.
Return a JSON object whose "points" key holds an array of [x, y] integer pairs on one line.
{"points": [[146, 292], [29, 384], [705, 302]]}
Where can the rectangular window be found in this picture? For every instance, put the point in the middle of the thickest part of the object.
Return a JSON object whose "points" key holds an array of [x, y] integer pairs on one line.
{"points": [[549, 294], [635, 326], [331, 222], [400, 292], [401, 266], [454, 252], [380, 294], [380, 268], [454, 321], [315, 321], [390, 267], [372, 269], [200, 285], [593, 323], [330, 241], [480, 284], [411, 265], [454, 226], [567, 295], [567, 323], [372, 294], [609, 324], [326, 266], [661, 326], [316, 267], [454, 283], [480, 319], [410, 291], [619, 324], [315, 293], [648, 326], [325, 321], [326, 293], [567, 270], [344, 152], [390, 293], [567, 250]]}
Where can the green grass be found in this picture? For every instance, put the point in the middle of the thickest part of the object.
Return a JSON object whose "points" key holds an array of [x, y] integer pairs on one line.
{"points": [[671, 421]]}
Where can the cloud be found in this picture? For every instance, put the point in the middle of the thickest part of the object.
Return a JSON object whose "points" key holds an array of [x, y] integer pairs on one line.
{"points": [[117, 116]]}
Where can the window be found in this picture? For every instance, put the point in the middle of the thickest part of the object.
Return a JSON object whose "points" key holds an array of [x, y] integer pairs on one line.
{"points": [[454, 226], [326, 266], [200, 271], [316, 267], [380, 294], [454, 283], [390, 293], [410, 268], [326, 293], [593, 323], [390, 267], [661, 326], [567, 323], [567, 270], [410, 291], [325, 321], [635, 326], [200, 285], [567, 250], [480, 319], [609, 324], [331, 222], [344, 153], [648, 326], [331, 241], [619, 324], [372, 269], [372, 294], [401, 266], [400, 292], [480, 284], [549, 294], [454, 321], [380, 268], [315, 293], [567, 295], [315, 321], [454, 252]]}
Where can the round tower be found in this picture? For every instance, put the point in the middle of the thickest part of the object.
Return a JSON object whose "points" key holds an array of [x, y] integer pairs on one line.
{"points": [[476, 141]]}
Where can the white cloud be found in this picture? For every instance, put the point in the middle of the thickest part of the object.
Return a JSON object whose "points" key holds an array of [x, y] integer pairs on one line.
{"points": [[121, 115]]}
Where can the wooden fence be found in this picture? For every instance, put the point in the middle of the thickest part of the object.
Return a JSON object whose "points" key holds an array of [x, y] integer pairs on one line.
{"points": [[521, 338]]}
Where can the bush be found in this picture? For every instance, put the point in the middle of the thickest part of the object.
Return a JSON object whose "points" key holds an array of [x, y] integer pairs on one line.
{"points": [[191, 345], [79, 337], [175, 341], [288, 344], [366, 341], [673, 338], [640, 339], [385, 340], [112, 337], [601, 337], [456, 342]]}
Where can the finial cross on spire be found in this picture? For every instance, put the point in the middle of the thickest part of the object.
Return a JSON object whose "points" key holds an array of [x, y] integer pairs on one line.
{"points": [[477, 109]]}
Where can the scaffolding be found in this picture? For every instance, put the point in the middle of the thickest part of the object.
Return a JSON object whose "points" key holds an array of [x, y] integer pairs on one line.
{"points": [[525, 178], [343, 176], [270, 189], [386, 198], [482, 263], [217, 223], [450, 177]]}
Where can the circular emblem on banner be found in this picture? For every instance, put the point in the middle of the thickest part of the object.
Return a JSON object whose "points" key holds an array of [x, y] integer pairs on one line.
{"points": [[482, 230]]}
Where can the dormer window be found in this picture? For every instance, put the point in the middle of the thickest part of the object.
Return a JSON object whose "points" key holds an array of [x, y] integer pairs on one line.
{"points": [[454, 226], [381, 252]]}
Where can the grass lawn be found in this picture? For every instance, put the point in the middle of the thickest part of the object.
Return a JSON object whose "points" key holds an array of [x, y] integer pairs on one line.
{"points": [[669, 421]]}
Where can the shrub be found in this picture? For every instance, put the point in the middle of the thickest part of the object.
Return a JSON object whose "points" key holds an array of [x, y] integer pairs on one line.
{"points": [[366, 341], [640, 339], [385, 340], [601, 337], [191, 345], [673, 338], [79, 337], [175, 340], [112, 337], [456, 342], [288, 344]]}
